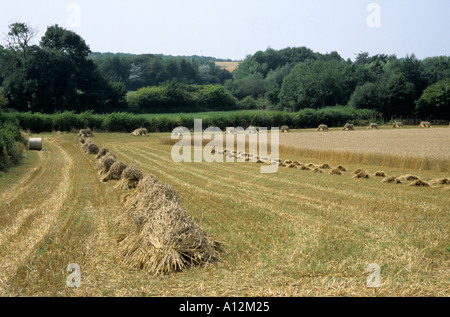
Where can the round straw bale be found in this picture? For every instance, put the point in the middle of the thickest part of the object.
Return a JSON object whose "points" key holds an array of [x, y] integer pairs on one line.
{"points": [[397, 125], [322, 128], [35, 144], [379, 174], [373, 125]]}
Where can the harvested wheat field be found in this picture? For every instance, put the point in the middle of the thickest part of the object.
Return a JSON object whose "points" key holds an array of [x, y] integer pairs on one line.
{"points": [[229, 66], [422, 149], [291, 233]]}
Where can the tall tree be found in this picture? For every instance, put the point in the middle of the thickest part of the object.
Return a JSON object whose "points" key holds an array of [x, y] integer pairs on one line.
{"points": [[57, 75]]}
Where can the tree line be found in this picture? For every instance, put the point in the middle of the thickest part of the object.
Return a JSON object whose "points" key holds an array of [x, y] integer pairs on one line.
{"points": [[62, 74], [297, 78]]}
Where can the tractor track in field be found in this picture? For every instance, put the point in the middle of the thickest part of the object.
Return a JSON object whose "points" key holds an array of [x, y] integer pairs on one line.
{"points": [[44, 208], [34, 218]]}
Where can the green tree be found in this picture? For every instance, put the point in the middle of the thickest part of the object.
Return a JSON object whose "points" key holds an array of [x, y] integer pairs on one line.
{"points": [[216, 97], [3, 100], [368, 96], [399, 97], [436, 69], [55, 76], [435, 101], [316, 85]]}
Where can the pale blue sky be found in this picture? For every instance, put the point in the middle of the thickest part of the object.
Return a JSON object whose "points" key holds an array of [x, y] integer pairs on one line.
{"points": [[236, 28]]}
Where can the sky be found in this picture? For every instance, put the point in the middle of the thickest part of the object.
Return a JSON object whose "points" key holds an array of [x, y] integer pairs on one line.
{"points": [[233, 29]]}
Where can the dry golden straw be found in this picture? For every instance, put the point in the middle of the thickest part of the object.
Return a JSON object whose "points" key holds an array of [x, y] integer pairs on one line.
{"points": [[159, 235]]}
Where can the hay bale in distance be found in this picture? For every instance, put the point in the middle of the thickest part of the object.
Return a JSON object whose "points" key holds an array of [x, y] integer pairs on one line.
{"points": [[251, 130], [35, 144], [425, 124], [349, 127], [140, 132], [405, 178], [284, 129], [322, 128], [335, 171], [397, 125], [373, 125], [316, 170], [419, 183], [391, 179], [87, 133], [341, 168], [440, 181], [361, 174], [325, 166], [379, 174]]}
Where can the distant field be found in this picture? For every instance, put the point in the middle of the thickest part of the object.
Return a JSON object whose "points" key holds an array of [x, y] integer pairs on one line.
{"points": [[293, 233], [230, 66], [388, 146]]}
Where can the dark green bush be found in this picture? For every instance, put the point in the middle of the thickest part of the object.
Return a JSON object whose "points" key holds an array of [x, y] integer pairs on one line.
{"points": [[11, 142]]}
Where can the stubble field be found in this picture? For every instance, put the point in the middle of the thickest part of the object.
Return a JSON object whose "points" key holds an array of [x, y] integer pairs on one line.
{"points": [[292, 233]]}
